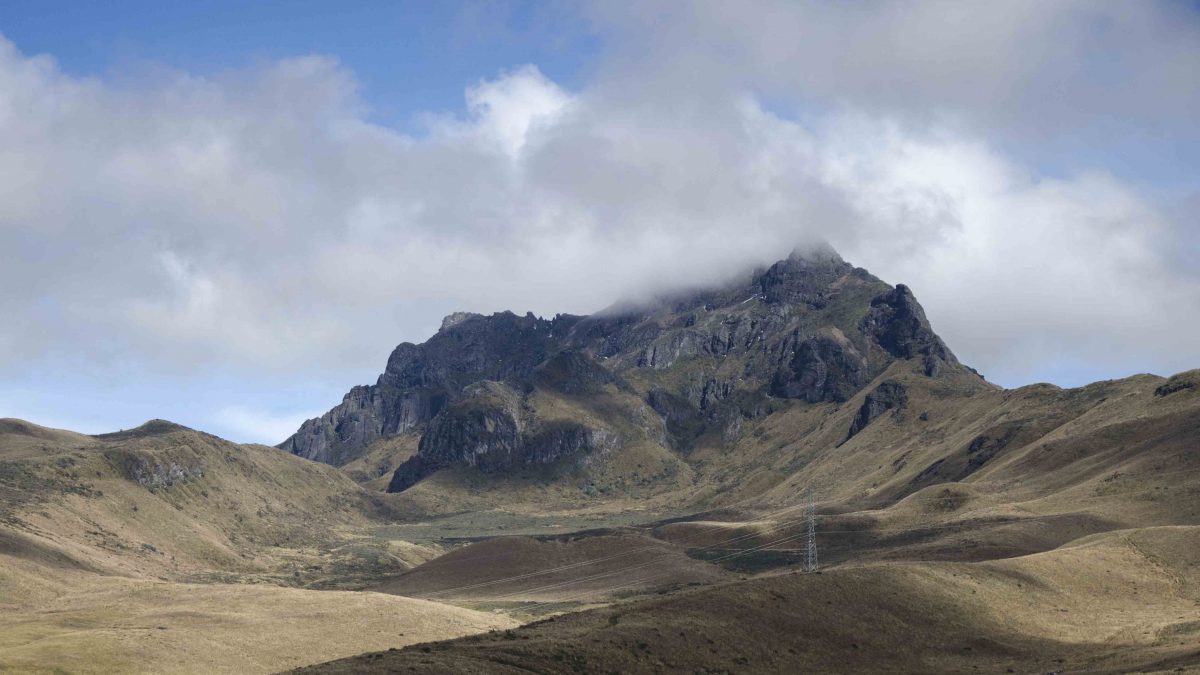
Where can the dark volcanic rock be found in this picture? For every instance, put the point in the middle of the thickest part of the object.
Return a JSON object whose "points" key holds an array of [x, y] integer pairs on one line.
{"points": [[898, 324], [503, 347], [573, 372], [803, 278], [887, 396], [411, 472], [560, 439], [366, 414], [154, 473], [420, 380], [679, 345], [683, 420], [822, 368], [472, 434], [484, 433]]}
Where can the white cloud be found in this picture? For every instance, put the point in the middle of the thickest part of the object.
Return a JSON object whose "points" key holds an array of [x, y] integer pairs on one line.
{"points": [[507, 108], [1044, 68], [1020, 272], [259, 221]]}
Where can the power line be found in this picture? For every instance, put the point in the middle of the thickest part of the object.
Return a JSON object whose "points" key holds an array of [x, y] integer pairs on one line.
{"points": [[648, 563], [640, 580], [810, 554], [655, 560]]}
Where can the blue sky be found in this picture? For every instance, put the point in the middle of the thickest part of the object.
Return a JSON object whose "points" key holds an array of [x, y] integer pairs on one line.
{"points": [[410, 57], [226, 214]]}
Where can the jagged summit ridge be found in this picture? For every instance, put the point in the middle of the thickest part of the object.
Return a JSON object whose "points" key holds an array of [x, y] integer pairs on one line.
{"points": [[481, 392]]}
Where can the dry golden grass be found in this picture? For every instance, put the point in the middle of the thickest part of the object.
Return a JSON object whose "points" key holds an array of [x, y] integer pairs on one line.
{"points": [[87, 623], [234, 509], [512, 571]]}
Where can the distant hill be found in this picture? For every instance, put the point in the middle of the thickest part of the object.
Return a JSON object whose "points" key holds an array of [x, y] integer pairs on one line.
{"points": [[164, 549], [165, 500]]}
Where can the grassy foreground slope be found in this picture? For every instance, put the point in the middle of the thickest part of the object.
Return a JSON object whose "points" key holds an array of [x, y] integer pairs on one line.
{"points": [[89, 623]]}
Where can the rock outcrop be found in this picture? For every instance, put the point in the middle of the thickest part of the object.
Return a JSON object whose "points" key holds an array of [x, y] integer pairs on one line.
{"points": [[887, 396], [804, 278], [421, 380], [487, 430], [822, 368], [897, 322], [1178, 383], [574, 372]]}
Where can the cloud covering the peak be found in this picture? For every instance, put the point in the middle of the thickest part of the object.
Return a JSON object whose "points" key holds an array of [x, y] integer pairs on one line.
{"points": [[259, 221]]}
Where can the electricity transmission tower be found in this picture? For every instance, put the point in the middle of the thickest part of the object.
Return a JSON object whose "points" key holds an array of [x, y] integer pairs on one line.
{"points": [[810, 553]]}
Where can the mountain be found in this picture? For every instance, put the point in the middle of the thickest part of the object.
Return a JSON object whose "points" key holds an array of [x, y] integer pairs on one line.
{"points": [[573, 395]]}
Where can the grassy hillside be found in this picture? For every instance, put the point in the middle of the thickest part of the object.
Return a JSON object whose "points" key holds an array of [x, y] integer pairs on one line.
{"points": [[99, 537], [163, 501]]}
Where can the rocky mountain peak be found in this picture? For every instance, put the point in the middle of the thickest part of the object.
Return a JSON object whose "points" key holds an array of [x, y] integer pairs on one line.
{"points": [[454, 318], [898, 323], [499, 392], [805, 277], [816, 253]]}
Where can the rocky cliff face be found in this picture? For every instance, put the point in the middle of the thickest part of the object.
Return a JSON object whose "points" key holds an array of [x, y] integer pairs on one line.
{"points": [[809, 330], [421, 380], [897, 322]]}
